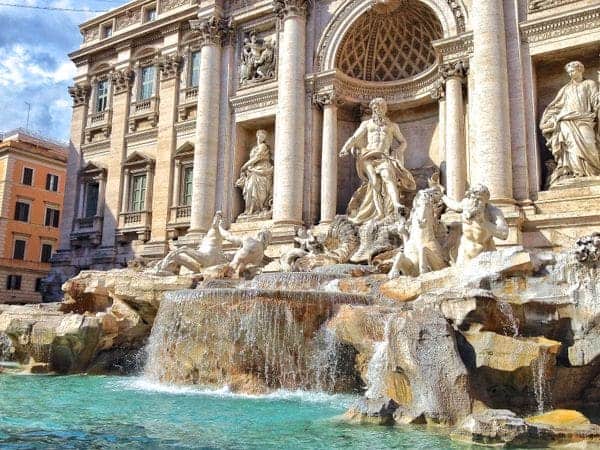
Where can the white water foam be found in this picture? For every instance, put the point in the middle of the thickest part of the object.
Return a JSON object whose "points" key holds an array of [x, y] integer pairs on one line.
{"points": [[144, 385]]}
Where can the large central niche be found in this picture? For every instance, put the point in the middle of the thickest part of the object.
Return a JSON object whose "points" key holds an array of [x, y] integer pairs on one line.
{"points": [[390, 46]]}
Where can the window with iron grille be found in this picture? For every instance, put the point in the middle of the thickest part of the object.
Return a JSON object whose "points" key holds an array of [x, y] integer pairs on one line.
{"points": [[52, 182], [13, 282], [19, 249], [27, 176], [22, 212], [52, 217]]}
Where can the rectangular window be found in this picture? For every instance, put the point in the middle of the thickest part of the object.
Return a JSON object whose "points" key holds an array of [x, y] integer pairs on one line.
{"points": [[52, 217], [52, 182], [19, 250], [38, 284], [138, 192], [150, 14], [102, 96], [147, 87], [27, 176], [186, 197], [195, 73], [22, 212], [91, 199], [13, 282], [46, 253], [107, 31]]}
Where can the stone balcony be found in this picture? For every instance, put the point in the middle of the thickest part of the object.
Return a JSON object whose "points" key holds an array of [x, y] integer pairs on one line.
{"points": [[134, 225], [98, 123], [87, 232], [143, 111], [179, 220], [187, 103]]}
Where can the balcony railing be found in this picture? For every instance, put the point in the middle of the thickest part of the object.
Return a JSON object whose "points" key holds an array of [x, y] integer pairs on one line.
{"points": [[87, 231], [135, 219], [143, 107], [190, 94]]}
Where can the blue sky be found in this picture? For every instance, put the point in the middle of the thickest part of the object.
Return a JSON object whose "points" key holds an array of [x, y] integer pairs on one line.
{"points": [[34, 66]]}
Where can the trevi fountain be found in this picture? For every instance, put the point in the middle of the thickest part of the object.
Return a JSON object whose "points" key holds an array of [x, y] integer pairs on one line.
{"points": [[411, 320]]}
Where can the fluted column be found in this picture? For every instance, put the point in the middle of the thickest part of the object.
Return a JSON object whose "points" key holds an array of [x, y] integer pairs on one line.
{"points": [[213, 32], [456, 166], [492, 164], [291, 112], [329, 156], [438, 92]]}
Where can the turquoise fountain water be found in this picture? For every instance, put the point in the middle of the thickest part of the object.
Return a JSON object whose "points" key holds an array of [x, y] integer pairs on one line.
{"points": [[38, 412]]}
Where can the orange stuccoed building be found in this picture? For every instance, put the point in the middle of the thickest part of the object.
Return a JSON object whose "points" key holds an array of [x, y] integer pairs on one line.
{"points": [[32, 187]]}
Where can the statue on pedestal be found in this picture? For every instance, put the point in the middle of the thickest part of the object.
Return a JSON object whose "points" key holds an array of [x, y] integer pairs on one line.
{"points": [[256, 180], [570, 125], [481, 223], [380, 166]]}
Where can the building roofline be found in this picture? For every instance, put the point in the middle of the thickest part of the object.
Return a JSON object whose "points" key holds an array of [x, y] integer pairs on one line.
{"points": [[56, 155]]}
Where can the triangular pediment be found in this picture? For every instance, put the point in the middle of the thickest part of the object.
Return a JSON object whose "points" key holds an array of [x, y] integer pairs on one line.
{"points": [[186, 149], [138, 158], [92, 168]]}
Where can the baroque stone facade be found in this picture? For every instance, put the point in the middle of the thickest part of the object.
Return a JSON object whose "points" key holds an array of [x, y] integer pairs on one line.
{"points": [[169, 97]]}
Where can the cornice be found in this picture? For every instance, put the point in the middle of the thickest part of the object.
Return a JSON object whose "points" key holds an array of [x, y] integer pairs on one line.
{"points": [[566, 24]]}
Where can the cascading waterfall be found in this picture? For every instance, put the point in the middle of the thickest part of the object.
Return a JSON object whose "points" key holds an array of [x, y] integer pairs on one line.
{"points": [[511, 326], [250, 340], [540, 381], [378, 366]]}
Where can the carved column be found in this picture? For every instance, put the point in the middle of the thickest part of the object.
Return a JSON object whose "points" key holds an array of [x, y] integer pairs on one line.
{"points": [[454, 75], [291, 112], [122, 81], [438, 93], [329, 156], [213, 31], [170, 66], [80, 94], [491, 155]]}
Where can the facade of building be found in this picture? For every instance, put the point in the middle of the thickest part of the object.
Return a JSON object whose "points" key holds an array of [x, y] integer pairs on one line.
{"points": [[32, 187], [169, 96]]}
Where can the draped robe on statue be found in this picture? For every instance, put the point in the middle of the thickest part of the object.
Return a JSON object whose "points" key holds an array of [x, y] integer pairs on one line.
{"points": [[570, 124], [382, 157], [256, 180]]}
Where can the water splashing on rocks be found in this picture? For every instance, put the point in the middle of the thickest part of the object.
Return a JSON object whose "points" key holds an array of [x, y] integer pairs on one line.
{"points": [[250, 340], [511, 326]]}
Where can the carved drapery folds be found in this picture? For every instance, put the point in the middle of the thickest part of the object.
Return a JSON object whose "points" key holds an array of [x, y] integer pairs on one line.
{"points": [[169, 66], [212, 30], [122, 80], [289, 8], [80, 93]]}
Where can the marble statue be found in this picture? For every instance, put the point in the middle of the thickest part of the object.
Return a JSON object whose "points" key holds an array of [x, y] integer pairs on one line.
{"points": [[305, 243], [250, 257], [481, 223], [422, 252], [256, 180], [380, 167], [258, 60], [209, 253], [587, 249], [570, 125]]}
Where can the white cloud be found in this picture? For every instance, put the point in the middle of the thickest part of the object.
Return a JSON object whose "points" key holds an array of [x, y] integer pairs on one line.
{"points": [[18, 67]]}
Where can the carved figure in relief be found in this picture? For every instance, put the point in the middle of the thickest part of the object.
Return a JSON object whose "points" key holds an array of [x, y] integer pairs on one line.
{"points": [[481, 223], [422, 251], [570, 125], [257, 60], [305, 243], [380, 166], [256, 179], [209, 253]]}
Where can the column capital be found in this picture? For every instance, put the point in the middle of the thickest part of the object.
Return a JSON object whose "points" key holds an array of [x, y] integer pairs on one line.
{"points": [[170, 65], [438, 91], [213, 30], [80, 93], [122, 80], [291, 8], [327, 98], [455, 69]]}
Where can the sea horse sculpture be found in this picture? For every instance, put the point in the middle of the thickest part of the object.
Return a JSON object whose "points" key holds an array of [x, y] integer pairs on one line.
{"points": [[422, 252]]}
